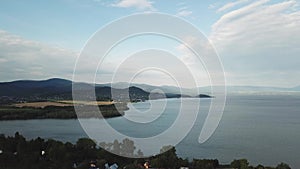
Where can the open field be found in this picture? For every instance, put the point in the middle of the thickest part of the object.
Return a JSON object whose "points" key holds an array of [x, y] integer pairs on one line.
{"points": [[61, 110], [87, 103], [42, 104], [62, 103]]}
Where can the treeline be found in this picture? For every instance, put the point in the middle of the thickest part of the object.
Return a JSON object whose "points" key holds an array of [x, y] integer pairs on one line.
{"points": [[57, 112], [17, 152]]}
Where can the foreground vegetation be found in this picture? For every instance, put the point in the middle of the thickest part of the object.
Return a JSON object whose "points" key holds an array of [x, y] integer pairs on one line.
{"points": [[16, 152], [61, 112]]}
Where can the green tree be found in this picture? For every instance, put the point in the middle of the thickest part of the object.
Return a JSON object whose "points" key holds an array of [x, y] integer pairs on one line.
{"points": [[168, 158], [116, 147], [240, 164], [140, 153], [57, 155], [127, 147], [205, 164], [283, 166], [85, 149], [260, 167]]}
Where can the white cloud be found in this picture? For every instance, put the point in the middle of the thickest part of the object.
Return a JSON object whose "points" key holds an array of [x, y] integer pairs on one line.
{"points": [[191, 60], [260, 38], [139, 4], [231, 5], [183, 10], [212, 6], [26, 59], [184, 13], [184, 50], [3, 60]]}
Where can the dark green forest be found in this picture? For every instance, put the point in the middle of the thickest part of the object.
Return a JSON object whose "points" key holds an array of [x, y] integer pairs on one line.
{"points": [[66, 112], [17, 152]]}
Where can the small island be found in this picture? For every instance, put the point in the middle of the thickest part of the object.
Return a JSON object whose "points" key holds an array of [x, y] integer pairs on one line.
{"points": [[205, 96]]}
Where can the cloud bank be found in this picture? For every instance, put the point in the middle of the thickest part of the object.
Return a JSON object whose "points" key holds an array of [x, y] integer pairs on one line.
{"points": [[25, 59], [259, 43]]}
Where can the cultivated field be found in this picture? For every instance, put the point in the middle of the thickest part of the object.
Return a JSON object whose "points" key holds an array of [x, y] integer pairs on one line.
{"points": [[42, 104], [63, 103], [87, 103]]}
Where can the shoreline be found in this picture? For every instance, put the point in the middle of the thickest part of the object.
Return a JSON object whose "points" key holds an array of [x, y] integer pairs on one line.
{"points": [[65, 109], [9, 112]]}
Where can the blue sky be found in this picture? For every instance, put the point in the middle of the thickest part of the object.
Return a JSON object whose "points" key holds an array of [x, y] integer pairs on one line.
{"points": [[257, 40], [69, 23]]}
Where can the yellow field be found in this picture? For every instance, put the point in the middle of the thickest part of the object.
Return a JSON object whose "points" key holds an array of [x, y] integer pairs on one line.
{"points": [[86, 103], [61, 103], [42, 104]]}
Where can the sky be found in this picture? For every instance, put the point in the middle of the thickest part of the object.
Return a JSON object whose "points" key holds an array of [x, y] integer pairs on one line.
{"points": [[257, 40]]}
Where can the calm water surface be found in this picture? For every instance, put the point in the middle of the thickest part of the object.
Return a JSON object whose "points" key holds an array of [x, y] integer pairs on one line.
{"points": [[262, 128]]}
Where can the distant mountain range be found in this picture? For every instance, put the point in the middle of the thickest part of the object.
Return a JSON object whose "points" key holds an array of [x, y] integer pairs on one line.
{"points": [[205, 89], [61, 89], [26, 88], [151, 88]]}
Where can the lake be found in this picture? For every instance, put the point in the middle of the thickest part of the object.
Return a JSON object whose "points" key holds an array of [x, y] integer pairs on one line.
{"points": [[264, 129]]}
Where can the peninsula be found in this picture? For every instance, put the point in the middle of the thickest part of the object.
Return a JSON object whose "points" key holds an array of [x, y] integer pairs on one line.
{"points": [[52, 99]]}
